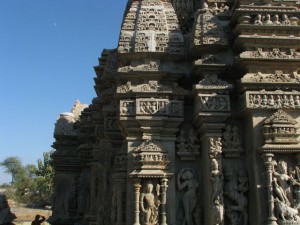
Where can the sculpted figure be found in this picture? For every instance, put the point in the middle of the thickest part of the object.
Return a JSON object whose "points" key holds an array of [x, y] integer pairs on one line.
{"points": [[285, 20], [268, 20], [276, 20], [235, 197], [217, 212], [149, 205], [181, 141], [231, 137], [216, 180], [187, 184], [257, 20], [215, 147], [227, 135], [283, 179], [192, 139]]}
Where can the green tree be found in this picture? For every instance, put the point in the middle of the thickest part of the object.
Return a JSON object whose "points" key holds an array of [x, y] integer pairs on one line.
{"points": [[45, 174], [13, 166]]}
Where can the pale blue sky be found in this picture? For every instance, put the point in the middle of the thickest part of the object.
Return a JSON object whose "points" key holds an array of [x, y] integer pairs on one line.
{"points": [[47, 52]]}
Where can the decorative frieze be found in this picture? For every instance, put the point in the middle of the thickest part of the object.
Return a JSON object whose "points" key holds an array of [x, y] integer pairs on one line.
{"points": [[153, 86], [272, 100], [275, 53], [277, 77]]}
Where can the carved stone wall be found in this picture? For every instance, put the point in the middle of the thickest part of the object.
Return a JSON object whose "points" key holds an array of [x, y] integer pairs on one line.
{"points": [[196, 120]]}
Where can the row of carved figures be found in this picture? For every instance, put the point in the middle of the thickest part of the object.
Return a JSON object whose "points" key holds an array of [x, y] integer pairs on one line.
{"points": [[274, 101], [274, 20]]}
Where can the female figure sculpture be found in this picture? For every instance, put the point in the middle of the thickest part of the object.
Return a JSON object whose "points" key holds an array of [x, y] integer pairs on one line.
{"points": [[283, 180], [187, 184], [216, 179]]}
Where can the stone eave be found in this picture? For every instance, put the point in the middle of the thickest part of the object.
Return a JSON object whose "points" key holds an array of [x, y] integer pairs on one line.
{"points": [[126, 58], [256, 40], [150, 75], [281, 31], [269, 148], [150, 174], [270, 86], [196, 50]]}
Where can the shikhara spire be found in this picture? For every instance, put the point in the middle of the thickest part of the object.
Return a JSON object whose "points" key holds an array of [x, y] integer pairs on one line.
{"points": [[195, 120]]}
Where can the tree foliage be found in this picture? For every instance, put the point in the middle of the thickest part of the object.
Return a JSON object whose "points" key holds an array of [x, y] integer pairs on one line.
{"points": [[13, 166], [31, 184]]}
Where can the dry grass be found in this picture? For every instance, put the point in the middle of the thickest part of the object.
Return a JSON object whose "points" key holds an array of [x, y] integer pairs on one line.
{"points": [[26, 215]]}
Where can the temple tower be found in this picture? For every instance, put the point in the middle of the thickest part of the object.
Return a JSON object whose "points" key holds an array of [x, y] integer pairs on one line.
{"points": [[195, 120]]}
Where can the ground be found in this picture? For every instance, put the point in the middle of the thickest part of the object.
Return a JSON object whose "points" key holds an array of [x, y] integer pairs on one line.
{"points": [[26, 215]]}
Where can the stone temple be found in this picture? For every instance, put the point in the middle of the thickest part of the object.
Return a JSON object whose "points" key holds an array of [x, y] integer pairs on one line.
{"points": [[195, 120]]}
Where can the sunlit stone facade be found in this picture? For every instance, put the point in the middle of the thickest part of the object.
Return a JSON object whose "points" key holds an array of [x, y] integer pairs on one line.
{"points": [[196, 120]]}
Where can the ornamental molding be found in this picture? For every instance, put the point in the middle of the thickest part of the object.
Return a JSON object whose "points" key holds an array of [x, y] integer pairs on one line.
{"points": [[277, 77], [153, 86], [151, 66], [275, 53]]}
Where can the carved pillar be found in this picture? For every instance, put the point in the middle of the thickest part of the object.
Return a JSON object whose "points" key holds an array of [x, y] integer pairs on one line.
{"points": [[268, 157], [211, 109], [137, 187], [212, 173], [164, 186]]}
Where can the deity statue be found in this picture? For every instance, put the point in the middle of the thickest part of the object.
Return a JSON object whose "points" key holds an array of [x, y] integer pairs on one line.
{"points": [[181, 139], [187, 184], [149, 205], [192, 139], [231, 137], [216, 178]]}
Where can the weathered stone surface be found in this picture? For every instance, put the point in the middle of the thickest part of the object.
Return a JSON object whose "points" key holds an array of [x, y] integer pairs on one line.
{"points": [[195, 121], [6, 216]]}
